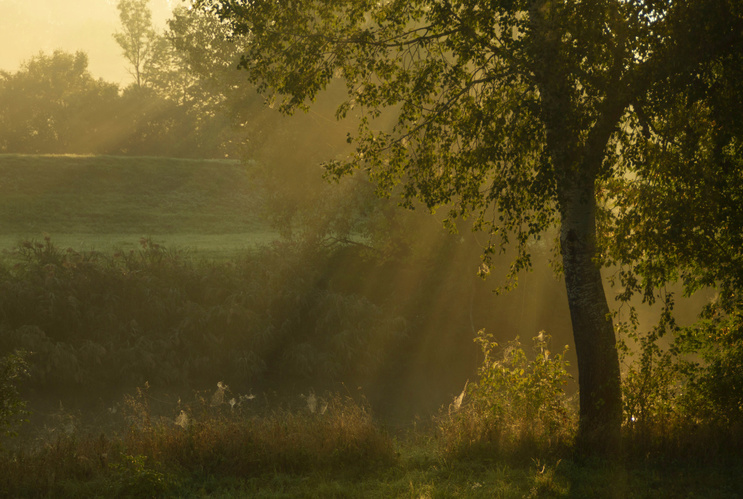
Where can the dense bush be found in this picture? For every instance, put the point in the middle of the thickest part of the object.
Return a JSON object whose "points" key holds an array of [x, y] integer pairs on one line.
{"points": [[114, 322], [715, 385], [517, 405], [12, 408], [685, 393]]}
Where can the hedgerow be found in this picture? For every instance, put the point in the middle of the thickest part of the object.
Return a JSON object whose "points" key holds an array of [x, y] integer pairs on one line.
{"points": [[155, 315]]}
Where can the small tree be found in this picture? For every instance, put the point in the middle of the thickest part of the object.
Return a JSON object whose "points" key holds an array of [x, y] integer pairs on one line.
{"points": [[143, 47]]}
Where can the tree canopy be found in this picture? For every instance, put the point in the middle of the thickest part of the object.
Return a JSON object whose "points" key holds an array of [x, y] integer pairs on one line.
{"points": [[142, 47], [49, 100], [517, 114]]}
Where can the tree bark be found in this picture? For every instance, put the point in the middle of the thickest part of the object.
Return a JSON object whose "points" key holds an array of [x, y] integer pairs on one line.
{"points": [[593, 331]]}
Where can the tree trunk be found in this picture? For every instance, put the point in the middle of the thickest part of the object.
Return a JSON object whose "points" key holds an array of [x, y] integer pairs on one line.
{"points": [[593, 331]]}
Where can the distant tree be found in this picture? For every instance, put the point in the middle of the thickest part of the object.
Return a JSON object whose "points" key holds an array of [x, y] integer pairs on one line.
{"points": [[54, 105], [142, 46], [511, 112], [228, 109], [148, 124], [167, 110]]}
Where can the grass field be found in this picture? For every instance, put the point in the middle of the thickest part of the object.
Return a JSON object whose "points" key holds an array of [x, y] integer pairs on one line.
{"points": [[209, 207]]}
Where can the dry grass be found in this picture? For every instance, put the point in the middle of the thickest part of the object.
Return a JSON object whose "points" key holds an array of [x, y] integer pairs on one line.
{"points": [[155, 454]]}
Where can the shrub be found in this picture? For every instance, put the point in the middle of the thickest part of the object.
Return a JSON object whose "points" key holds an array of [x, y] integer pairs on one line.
{"points": [[133, 478], [111, 323], [13, 369], [686, 398], [650, 390], [516, 406], [715, 388]]}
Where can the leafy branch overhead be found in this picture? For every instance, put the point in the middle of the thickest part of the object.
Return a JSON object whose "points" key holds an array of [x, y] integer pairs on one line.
{"points": [[483, 92]]}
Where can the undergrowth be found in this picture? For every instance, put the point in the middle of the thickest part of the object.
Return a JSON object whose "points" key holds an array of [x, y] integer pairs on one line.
{"points": [[683, 388], [154, 317], [516, 407], [108, 323], [508, 434], [155, 455]]}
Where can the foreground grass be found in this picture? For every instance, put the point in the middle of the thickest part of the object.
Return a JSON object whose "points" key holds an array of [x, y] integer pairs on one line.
{"points": [[329, 447], [499, 480], [415, 473]]}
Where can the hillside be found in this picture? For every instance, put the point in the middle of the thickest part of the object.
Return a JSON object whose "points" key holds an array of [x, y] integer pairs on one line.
{"points": [[106, 199]]}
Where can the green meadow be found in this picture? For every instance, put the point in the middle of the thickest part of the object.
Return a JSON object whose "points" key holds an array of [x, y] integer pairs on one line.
{"points": [[207, 207]]}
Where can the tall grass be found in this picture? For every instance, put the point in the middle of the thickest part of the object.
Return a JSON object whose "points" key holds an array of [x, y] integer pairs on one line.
{"points": [[157, 455]]}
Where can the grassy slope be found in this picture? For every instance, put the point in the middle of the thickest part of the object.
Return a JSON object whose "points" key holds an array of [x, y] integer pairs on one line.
{"points": [[104, 201]]}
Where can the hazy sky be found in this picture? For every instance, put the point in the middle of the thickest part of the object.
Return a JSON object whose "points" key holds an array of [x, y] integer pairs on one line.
{"points": [[30, 26]]}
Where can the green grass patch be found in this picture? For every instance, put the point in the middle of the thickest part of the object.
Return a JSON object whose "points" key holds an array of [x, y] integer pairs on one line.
{"points": [[213, 247], [101, 197], [211, 209]]}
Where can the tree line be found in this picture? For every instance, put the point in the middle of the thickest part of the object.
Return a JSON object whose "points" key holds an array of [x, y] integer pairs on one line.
{"points": [[53, 105]]}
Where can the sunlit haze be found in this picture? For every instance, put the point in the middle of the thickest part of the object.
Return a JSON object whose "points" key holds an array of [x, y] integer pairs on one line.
{"points": [[30, 26]]}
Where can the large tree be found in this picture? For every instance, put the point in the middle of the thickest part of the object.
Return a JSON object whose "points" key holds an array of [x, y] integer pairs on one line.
{"points": [[511, 112]]}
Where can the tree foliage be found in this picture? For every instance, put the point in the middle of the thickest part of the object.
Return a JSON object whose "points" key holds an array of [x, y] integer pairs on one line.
{"points": [[678, 212], [45, 105], [510, 112], [143, 48]]}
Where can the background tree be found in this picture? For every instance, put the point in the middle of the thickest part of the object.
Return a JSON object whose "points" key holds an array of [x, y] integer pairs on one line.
{"points": [[508, 112], [202, 78], [52, 104], [258, 132], [142, 46]]}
